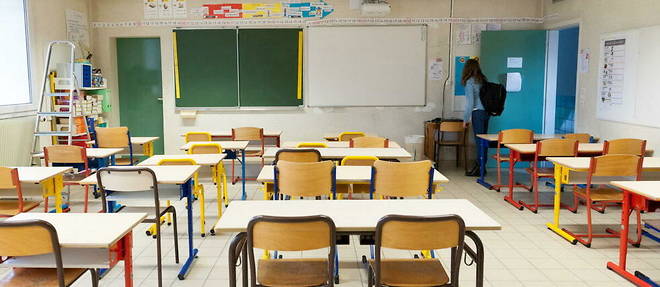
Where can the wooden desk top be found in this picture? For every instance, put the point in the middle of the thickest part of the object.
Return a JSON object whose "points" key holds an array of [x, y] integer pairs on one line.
{"points": [[345, 174], [230, 145], [87, 230], [582, 163], [227, 133], [93, 152], [648, 189], [200, 159], [165, 174], [353, 215], [331, 144], [339, 153], [37, 174]]}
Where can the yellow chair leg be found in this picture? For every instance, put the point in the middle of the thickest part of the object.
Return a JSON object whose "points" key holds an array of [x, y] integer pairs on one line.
{"points": [[168, 215], [426, 253], [202, 212], [224, 188]]}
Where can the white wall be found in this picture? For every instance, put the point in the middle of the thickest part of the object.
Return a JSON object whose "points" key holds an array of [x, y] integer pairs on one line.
{"points": [[597, 17]]}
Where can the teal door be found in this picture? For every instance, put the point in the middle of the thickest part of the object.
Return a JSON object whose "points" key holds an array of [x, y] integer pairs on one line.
{"points": [[524, 109], [140, 87]]}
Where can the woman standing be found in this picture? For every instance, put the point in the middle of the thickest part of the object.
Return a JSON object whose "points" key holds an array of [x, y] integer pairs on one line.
{"points": [[472, 79]]}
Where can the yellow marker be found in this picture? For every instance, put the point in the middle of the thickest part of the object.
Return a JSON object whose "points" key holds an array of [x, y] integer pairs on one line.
{"points": [[176, 67], [300, 59]]}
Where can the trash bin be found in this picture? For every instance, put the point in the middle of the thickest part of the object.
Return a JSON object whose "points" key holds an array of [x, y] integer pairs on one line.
{"points": [[414, 144]]}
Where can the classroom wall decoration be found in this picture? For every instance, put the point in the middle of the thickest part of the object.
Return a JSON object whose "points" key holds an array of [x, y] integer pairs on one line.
{"points": [[165, 9], [318, 9]]}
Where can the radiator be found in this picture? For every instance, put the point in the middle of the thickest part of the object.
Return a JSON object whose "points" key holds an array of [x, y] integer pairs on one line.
{"points": [[15, 141]]}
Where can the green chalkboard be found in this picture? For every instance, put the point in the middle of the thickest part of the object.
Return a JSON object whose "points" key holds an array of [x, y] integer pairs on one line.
{"points": [[207, 68], [269, 67]]}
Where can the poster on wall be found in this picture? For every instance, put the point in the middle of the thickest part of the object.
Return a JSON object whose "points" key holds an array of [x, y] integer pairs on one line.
{"points": [[476, 32], [317, 9], [463, 34], [436, 69], [612, 72], [77, 29], [180, 8], [150, 9], [165, 9], [459, 63]]}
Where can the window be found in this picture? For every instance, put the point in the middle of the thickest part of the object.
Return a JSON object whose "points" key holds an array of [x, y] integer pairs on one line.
{"points": [[14, 61]]}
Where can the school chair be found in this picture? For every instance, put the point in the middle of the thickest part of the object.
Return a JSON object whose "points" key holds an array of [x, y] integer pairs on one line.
{"points": [[116, 183], [544, 149], [295, 155], [248, 134], [625, 146], [603, 169], [10, 207], [417, 233], [369, 142], [218, 176], [32, 238], [347, 136], [311, 145], [355, 188], [304, 179], [198, 191], [69, 155], [299, 234], [512, 136], [197, 137], [452, 134], [581, 138], [118, 137], [402, 179]]}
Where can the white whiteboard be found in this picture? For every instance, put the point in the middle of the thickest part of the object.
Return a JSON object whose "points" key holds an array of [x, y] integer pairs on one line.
{"points": [[637, 100], [365, 66]]}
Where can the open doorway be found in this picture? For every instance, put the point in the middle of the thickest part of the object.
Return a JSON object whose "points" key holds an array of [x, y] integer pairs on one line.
{"points": [[561, 81]]}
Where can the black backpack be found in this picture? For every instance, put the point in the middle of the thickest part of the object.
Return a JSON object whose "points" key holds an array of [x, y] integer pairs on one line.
{"points": [[492, 97]]}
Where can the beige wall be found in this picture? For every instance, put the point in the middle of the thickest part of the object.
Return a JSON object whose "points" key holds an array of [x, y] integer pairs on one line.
{"points": [[595, 18]]}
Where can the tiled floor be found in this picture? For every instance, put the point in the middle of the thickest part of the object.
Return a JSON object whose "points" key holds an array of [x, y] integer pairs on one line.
{"points": [[523, 253]]}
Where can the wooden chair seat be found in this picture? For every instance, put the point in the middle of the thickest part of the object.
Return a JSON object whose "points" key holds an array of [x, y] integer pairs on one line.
{"points": [[124, 161], [502, 157], [655, 223], [452, 143], [10, 207], [601, 194], [543, 172], [42, 277], [73, 177], [412, 272], [253, 153], [293, 272]]}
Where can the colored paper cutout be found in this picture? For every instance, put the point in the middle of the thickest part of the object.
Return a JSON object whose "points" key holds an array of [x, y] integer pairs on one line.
{"points": [[316, 9]]}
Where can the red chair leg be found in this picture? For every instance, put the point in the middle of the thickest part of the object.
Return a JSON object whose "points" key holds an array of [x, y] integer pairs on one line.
{"points": [[86, 197]]}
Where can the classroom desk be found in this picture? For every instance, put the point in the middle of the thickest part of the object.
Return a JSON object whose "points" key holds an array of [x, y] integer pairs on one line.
{"points": [[339, 153], [86, 241], [49, 178], [351, 217], [96, 153], [147, 144], [572, 170], [180, 175], [226, 135], [635, 196], [332, 144], [230, 147], [335, 137]]}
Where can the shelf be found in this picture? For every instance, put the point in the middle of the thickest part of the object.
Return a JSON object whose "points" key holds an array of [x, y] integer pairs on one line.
{"points": [[54, 114], [59, 134], [93, 89]]}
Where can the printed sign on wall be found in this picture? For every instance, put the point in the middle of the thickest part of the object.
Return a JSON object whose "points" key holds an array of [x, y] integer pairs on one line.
{"points": [[318, 9]]}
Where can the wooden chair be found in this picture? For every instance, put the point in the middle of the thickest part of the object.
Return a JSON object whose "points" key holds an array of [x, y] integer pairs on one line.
{"points": [[218, 176], [114, 182], [352, 189], [198, 137], [603, 169], [457, 140], [198, 191], [294, 155], [625, 146], [347, 136], [248, 134], [305, 179], [512, 136], [581, 138], [544, 149], [31, 238], [292, 234], [69, 155], [311, 145], [369, 142], [10, 207], [118, 137], [402, 179], [417, 233]]}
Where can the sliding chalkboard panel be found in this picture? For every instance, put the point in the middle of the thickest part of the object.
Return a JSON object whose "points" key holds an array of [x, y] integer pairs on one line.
{"points": [[206, 61], [270, 62]]}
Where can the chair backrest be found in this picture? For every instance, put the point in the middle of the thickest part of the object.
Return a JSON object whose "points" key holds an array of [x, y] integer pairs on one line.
{"points": [[305, 178], [298, 155], [452, 127], [321, 145], [177, 161], [65, 154], [112, 137], [369, 142], [198, 137], [582, 138], [209, 148], [619, 165], [557, 147], [358, 160], [347, 136], [625, 146], [9, 178], [247, 134], [515, 136], [402, 179], [126, 179]]}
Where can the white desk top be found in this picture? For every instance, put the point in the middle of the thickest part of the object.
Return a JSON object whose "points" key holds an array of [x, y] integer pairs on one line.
{"points": [[36, 174], [537, 137], [345, 174], [582, 147], [200, 159], [335, 144], [230, 145], [582, 163], [648, 189], [165, 174], [227, 133], [353, 215], [339, 153], [93, 152], [137, 140], [87, 230]]}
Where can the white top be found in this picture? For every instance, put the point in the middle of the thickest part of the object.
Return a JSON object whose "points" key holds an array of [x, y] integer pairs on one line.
{"points": [[345, 174], [230, 145], [353, 215], [335, 136], [537, 137], [582, 163], [339, 153], [648, 189], [200, 159], [37, 174], [165, 174], [87, 230], [582, 147], [227, 133], [137, 140], [93, 152], [335, 144]]}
